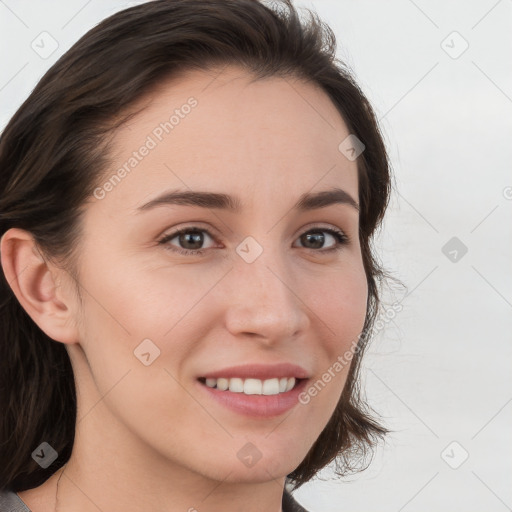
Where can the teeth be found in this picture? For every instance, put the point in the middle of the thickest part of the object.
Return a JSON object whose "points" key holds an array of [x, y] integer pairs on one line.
{"points": [[236, 385], [222, 384], [290, 384], [211, 382], [253, 386], [270, 387]]}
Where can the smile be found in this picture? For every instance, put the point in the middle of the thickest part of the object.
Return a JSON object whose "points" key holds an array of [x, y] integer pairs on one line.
{"points": [[272, 386]]}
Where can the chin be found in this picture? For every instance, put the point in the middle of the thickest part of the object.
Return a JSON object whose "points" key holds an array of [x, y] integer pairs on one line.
{"points": [[262, 466], [260, 473]]}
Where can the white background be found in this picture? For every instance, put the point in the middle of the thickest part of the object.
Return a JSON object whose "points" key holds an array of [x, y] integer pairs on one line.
{"points": [[440, 370]]}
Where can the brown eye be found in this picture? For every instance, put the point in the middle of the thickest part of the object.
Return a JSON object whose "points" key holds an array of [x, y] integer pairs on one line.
{"points": [[316, 239], [189, 240], [192, 240]]}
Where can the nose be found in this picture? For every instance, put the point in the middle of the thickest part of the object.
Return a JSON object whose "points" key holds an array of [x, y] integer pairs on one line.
{"points": [[265, 301]]}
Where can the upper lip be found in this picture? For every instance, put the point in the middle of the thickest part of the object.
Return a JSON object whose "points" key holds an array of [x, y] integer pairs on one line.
{"points": [[259, 371]]}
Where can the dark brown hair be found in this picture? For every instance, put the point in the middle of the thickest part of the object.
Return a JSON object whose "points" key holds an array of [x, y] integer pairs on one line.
{"points": [[54, 152]]}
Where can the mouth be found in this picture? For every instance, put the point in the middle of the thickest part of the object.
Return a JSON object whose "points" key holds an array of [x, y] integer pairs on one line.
{"points": [[256, 390], [253, 397], [251, 386]]}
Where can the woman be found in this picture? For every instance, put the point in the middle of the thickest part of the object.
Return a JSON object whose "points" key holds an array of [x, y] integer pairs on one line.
{"points": [[188, 199]]}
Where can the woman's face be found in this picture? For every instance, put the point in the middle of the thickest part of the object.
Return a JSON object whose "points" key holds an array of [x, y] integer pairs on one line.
{"points": [[272, 286]]}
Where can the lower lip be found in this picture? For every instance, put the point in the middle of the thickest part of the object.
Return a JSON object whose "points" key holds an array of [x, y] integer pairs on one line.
{"points": [[263, 406]]}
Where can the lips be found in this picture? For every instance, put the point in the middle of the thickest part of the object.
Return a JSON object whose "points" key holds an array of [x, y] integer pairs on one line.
{"points": [[259, 371], [254, 405], [263, 390]]}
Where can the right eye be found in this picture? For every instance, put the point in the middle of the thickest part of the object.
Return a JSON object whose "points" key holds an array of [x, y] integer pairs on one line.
{"points": [[191, 236]]}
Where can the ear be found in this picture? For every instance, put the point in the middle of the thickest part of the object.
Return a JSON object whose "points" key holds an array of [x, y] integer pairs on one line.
{"points": [[37, 286]]}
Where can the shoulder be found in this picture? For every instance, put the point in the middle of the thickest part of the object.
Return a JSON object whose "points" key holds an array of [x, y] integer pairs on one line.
{"points": [[290, 505], [11, 502]]}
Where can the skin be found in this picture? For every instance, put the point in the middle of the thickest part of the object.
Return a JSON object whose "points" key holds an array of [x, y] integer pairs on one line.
{"points": [[147, 438]]}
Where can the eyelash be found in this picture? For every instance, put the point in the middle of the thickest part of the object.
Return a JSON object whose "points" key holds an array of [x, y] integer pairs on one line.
{"points": [[340, 236]]}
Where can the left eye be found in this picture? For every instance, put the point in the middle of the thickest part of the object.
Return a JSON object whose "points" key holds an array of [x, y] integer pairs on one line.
{"points": [[192, 239], [317, 237]]}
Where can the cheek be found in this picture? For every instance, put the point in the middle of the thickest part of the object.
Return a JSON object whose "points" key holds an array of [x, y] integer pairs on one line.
{"points": [[340, 304], [128, 315], [134, 316], [139, 300]]}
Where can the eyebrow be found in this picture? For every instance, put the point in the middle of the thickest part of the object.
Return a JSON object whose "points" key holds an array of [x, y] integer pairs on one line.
{"points": [[306, 202]]}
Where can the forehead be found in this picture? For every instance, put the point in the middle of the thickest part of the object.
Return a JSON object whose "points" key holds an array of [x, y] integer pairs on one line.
{"points": [[224, 130]]}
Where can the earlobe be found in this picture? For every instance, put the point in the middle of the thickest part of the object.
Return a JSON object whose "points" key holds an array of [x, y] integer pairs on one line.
{"points": [[36, 284]]}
